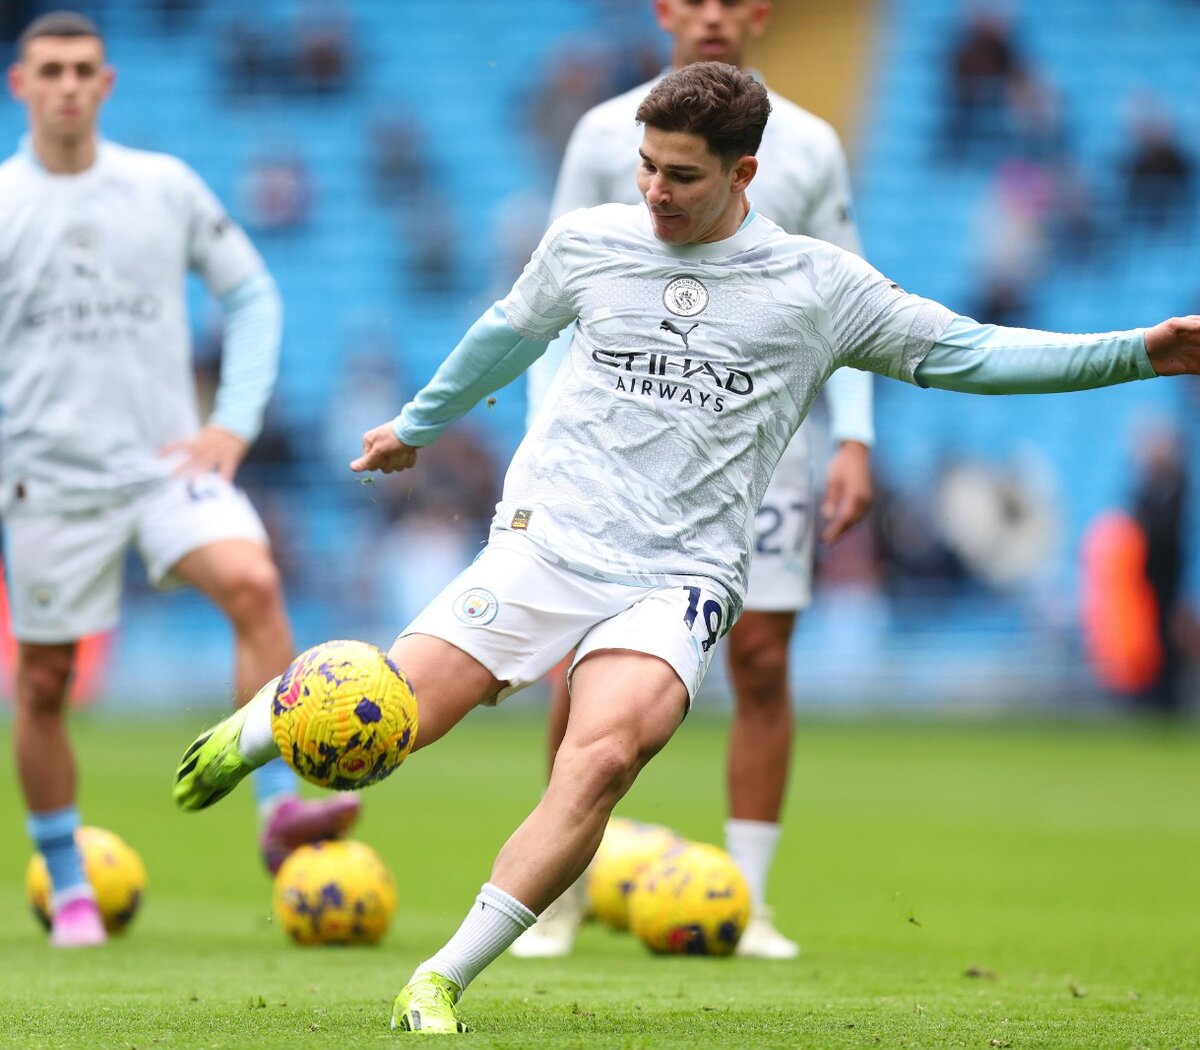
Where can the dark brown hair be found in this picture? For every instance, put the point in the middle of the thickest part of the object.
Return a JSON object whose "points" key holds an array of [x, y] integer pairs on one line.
{"points": [[717, 101], [57, 24]]}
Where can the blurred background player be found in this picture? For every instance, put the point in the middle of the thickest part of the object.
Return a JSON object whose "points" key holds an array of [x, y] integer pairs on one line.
{"points": [[802, 185], [102, 445]]}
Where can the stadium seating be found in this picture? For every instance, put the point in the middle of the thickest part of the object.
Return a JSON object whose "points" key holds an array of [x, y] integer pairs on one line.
{"points": [[1096, 56], [351, 263]]}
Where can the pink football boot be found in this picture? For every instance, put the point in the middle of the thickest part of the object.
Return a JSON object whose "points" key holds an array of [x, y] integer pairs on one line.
{"points": [[296, 821], [77, 924]]}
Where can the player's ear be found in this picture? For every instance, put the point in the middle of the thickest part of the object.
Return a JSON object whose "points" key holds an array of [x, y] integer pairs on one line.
{"points": [[662, 11], [759, 18], [16, 83], [743, 172], [109, 77]]}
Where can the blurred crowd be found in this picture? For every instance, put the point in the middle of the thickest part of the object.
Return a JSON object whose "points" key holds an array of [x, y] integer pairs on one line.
{"points": [[985, 529], [1002, 113]]}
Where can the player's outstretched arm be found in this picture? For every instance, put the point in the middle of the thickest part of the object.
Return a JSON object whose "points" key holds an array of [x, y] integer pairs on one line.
{"points": [[1173, 346], [490, 356], [385, 452], [976, 358], [987, 359]]}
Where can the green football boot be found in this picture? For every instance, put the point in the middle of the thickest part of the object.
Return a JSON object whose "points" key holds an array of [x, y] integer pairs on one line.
{"points": [[426, 1005], [213, 766]]}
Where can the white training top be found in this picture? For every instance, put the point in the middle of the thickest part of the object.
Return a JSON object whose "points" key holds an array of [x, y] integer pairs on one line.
{"points": [[691, 368], [802, 184], [95, 350]]}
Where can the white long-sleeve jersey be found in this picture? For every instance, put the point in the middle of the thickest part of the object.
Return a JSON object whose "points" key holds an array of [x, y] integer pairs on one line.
{"points": [[95, 349], [691, 368], [802, 185]]}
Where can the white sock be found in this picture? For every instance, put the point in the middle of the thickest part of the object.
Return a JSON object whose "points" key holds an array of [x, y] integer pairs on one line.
{"points": [[257, 742], [486, 933], [751, 844]]}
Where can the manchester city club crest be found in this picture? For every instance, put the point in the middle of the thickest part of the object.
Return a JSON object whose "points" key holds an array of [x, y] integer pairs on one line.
{"points": [[685, 296], [476, 606]]}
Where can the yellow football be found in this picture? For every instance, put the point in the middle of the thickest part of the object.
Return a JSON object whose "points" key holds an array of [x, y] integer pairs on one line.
{"points": [[343, 715], [691, 901], [111, 865], [628, 848], [334, 892]]}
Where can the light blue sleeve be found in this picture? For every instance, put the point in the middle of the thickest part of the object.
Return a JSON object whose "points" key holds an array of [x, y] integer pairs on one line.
{"points": [[489, 356], [850, 397], [987, 359], [249, 356]]}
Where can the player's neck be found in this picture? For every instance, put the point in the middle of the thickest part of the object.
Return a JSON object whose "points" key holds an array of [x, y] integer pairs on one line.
{"points": [[64, 156], [679, 59], [729, 223]]}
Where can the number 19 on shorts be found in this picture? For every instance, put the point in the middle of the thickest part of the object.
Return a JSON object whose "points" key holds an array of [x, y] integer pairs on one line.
{"points": [[705, 620]]}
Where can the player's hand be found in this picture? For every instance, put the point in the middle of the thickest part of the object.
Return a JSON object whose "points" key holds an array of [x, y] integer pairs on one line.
{"points": [[848, 489], [385, 452], [213, 451], [1174, 346]]}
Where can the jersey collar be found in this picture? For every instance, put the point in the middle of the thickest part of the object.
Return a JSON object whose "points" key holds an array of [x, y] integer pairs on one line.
{"points": [[26, 150], [744, 237], [672, 69]]}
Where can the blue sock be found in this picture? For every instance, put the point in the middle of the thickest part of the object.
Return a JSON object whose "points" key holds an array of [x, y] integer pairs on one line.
{"points": [[54, 835], [273, 782]]}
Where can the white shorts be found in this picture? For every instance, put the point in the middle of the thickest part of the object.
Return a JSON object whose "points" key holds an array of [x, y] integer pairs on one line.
{"points": [[65, 569], [781, 562], [519, 614]]}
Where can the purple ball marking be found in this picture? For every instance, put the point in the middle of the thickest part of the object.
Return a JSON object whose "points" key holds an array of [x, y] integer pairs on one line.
{"points": [[368, 711], [728, 932]]}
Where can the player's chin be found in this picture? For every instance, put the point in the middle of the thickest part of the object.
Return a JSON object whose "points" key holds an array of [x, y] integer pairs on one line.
{"points": [[670, 231]]}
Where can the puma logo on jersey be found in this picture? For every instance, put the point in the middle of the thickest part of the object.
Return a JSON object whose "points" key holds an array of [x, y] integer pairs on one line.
{"points": [[668, 326]]}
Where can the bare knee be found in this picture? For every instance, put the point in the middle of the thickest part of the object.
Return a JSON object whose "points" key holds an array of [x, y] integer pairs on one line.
{"points": [[43, 675], [764, 665], [758, 658], [254, 594], [625, 707], [599, 770]]}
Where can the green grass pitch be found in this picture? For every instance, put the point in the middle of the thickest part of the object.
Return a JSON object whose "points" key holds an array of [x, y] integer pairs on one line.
{"points": [[954, 884]]}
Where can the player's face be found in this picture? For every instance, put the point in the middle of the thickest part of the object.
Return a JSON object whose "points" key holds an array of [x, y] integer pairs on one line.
{"points": [[691, 197], [62, 81], [712, 30]]}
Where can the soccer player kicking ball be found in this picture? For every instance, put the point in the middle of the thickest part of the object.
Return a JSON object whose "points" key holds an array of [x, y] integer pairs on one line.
{"points": [[102, 447], [802, 184], [624, 527]]}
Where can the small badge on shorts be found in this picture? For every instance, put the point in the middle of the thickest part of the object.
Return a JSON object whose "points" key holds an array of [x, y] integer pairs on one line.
{"points": [[476, 606], [520, 519], [42, 595]]}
